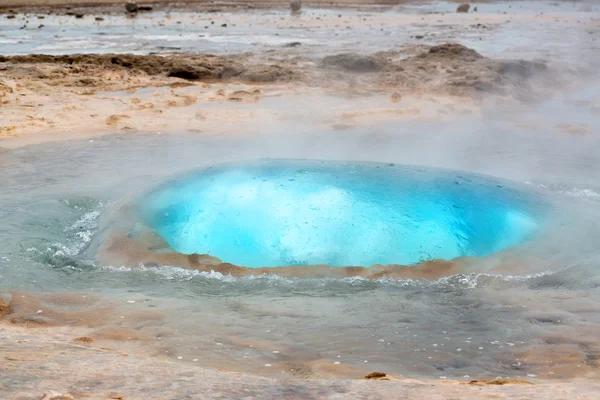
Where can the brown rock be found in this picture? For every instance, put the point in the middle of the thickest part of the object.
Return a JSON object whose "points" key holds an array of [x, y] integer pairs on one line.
{"points": [[115, 119], [5, 309], [378, 376], [296, 5], [463, 8], [452, 51], [189, 72], [84, 339], [353, 62], [131, 7]]}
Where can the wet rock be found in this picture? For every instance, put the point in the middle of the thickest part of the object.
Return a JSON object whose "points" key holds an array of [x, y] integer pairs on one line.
{"points": [[131, 7], [352, 62], [189, 72], [296, 5], [11, 16], [463, 8], [144, 8], [79, 16], [452, 51], [99, 19], [377, 376], [292, 44]]}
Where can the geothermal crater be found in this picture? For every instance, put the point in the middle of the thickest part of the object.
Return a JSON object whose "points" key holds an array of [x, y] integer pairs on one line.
{"points": [[296, 212]]}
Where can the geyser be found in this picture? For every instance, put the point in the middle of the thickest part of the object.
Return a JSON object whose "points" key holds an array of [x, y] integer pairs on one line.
{"points": [[293, 212]]}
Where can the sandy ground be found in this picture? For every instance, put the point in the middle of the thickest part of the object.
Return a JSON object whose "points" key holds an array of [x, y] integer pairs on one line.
{"points": [[45, 98]]}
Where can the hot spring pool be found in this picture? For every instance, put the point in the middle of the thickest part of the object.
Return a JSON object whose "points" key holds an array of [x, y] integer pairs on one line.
{"points": [[294, 212], [479, 318]]}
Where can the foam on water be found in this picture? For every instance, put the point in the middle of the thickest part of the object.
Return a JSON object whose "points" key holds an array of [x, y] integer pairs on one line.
{"points": [[455, 282], [294, 212]]}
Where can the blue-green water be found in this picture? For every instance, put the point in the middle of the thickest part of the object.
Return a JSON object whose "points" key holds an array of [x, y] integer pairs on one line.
{"points": [[292, 212]]}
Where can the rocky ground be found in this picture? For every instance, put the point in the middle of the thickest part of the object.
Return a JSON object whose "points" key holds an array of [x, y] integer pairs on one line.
{"points": [[41, 93]]}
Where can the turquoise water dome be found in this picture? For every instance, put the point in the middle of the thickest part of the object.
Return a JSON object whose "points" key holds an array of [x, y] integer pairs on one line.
{"points": [[295, 212]]}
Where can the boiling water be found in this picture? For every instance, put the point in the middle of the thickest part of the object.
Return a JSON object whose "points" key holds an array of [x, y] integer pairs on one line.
{"points": [[292, 212]]}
